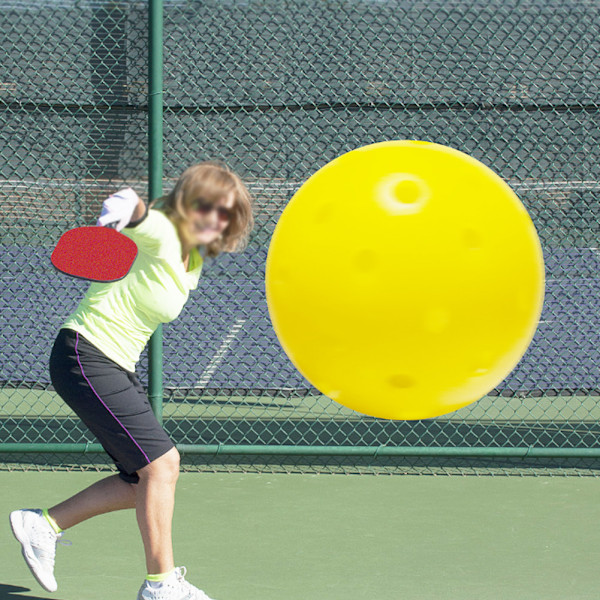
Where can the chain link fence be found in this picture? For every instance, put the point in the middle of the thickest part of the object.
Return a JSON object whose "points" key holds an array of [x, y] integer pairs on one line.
{"points": [[277, 89]]}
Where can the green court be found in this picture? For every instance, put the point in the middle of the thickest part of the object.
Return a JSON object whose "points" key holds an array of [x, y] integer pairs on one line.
{"points": [[269, 537]]}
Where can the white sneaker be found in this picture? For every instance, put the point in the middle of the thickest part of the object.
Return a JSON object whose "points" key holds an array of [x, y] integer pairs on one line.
{"points": [[38, 541], [173, 588]]}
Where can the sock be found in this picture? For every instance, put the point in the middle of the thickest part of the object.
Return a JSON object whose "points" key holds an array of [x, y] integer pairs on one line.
{"points": [[156, 580], [52, 522]]}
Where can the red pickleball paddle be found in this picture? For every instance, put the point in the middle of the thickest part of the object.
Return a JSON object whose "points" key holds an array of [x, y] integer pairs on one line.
{"points": [[94, 253]]}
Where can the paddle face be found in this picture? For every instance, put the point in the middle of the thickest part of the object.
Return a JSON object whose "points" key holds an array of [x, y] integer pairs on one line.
{"points": [[94, 253]]}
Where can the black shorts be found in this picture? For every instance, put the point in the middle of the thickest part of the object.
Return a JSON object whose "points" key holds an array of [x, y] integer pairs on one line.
{"points": [[110, 401]]}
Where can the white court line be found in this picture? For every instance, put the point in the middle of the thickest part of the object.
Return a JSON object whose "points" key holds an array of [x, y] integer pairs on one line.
{"points": [[219, 355]]}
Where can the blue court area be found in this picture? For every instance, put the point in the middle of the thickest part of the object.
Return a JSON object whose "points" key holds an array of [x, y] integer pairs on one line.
{"points": [[224, 342]]}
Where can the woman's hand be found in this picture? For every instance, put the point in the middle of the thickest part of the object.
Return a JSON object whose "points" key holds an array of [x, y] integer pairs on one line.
{"points": [[120, 208]]}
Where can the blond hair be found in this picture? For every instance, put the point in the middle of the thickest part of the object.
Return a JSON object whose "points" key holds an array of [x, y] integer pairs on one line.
{"points": [[210, 182]]}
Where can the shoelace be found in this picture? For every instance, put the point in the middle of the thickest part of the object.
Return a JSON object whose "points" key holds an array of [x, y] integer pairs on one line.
{"points": [[187, 586], [45, 553], [181, 572]]}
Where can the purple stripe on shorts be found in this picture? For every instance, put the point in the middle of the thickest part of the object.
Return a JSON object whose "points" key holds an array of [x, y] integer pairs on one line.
{"points": [[103, 404]]}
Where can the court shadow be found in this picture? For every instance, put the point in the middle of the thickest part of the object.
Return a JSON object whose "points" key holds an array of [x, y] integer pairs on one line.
{"points": [[14, 592]]}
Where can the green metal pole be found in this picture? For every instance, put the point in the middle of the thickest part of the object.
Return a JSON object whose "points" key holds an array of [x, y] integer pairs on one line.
{"points": [[390, 451], [364, 451], [155, 177]]}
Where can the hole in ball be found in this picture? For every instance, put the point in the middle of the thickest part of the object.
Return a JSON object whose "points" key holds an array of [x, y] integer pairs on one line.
{"points": [[401, 381], [365, 261], [407, 192], [402, 193], [472, 239]]}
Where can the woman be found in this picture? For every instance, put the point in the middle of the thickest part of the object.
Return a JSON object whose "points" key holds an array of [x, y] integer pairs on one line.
{"points": [[93, 362]]}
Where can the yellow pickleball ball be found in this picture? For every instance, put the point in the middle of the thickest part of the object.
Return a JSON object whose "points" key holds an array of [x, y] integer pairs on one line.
{"points": [[405, 280]]}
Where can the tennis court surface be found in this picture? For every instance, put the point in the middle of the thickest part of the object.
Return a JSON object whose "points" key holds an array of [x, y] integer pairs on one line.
{"points": [[270, 537]]}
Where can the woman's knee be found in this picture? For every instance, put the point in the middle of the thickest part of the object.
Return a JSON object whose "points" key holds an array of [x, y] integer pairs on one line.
{"points": [[165, 467]]}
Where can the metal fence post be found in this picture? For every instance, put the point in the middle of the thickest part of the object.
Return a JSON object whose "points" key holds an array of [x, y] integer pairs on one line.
{"points": [[155, 174]]}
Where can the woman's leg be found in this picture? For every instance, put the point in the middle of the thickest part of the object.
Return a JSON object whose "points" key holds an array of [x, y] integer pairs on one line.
{"points": [[155, 501], [104, 496], [153, 498]]}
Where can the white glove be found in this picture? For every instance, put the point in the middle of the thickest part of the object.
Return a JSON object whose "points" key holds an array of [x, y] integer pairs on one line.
{"points": [[118, 209]]}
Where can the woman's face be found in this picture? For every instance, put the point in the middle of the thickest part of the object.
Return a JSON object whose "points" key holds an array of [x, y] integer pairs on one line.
{"points": [[206, 221]]}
